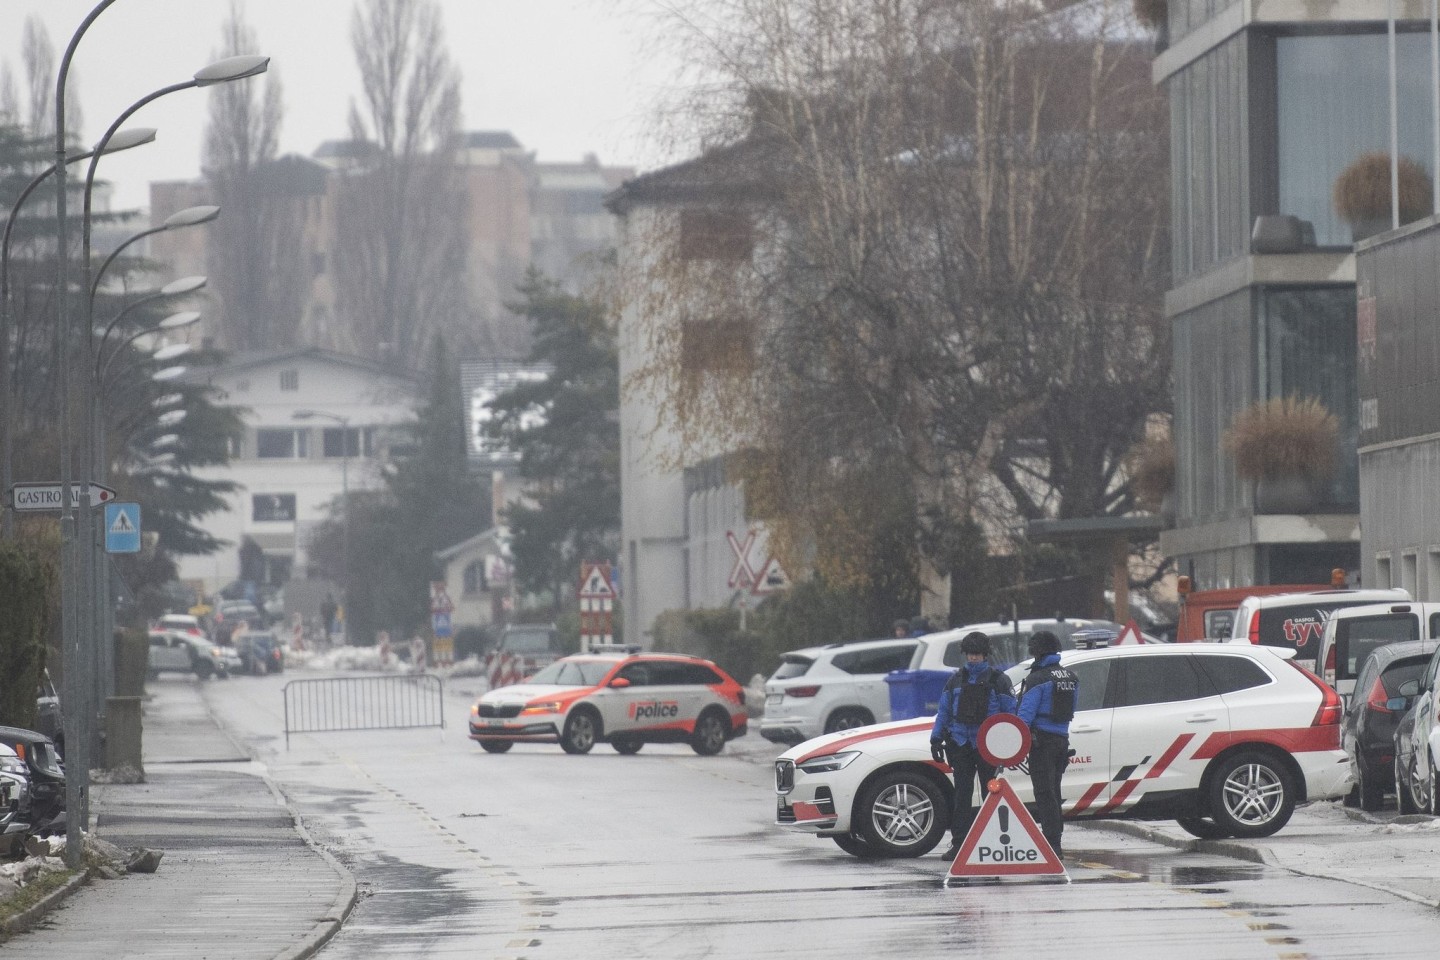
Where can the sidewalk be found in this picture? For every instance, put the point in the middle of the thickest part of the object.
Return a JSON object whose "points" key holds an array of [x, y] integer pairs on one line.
{"points": [[1393, 854], [240, 877]]}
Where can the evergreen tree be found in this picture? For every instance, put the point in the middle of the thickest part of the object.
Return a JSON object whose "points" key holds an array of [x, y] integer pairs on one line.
{"points": [[566, 430]]}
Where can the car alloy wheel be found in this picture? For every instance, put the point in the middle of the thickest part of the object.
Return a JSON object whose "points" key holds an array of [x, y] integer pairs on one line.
{"points": [[900, 814], [710, 732], [1251, 795], [1419, 788], [581, 731], [1404, 797]]}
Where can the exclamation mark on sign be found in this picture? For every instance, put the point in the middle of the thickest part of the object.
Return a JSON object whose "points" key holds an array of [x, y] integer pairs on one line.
{"points": [[1004, 812]]}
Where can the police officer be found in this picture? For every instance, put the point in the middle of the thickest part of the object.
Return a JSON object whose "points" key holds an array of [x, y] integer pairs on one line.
{"points": [[1047, 704], [975, 692]]}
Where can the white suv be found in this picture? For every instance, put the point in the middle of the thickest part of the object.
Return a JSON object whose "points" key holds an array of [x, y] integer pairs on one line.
{"points": [[1222, 738], [824, 689]]}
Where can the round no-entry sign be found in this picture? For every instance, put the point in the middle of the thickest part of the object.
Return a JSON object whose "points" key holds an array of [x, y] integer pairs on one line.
{"points": [[1004, 740]]}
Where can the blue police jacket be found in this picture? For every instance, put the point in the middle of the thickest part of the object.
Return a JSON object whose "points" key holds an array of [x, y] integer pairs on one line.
{"points": [[947, 727], [1035, 702]]}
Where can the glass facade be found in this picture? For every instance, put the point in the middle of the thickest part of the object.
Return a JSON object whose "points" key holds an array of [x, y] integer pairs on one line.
{"points": [[1213, 381], [1209, 160], [1333, 104], [1307, 349]]}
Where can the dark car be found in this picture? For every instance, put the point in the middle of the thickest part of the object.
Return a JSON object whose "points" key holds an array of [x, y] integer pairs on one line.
{"points": [[48, 719], [1385, 687], [260, 651], [47, 778]]}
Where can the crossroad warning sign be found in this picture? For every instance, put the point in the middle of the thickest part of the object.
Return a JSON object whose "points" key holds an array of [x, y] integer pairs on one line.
{"points": [[1005, 841], [595, 582]]}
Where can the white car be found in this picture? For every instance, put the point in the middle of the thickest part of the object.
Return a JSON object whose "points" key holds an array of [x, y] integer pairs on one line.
{"points": [[1009, 641], [1417, 747], [1225, 739], [837, 687]]}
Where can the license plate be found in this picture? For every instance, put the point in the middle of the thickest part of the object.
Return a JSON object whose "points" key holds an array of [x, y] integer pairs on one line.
{"points": [[495, 724], [773, 700]]}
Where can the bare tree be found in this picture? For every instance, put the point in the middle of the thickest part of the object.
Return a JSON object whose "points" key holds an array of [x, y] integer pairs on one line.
{"points": [[9, 98], [957, 213], [37, 57], [399, 250], [256, 249]]}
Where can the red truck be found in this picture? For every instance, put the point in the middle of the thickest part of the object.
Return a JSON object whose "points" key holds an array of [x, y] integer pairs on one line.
{"points": [[1210, 614]]}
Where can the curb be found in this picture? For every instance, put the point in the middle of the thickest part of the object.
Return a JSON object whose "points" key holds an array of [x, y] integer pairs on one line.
{"points": [[1222, 848], [327, 926], [28, 918]]}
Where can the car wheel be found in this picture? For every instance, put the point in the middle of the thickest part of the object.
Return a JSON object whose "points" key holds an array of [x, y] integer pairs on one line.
{"points": [[1404, 797], [626, 746], [1371, 790], [1202, 827], [582, 729], [902, 814], [854, 845], [1434, 790], [1251, 795], [847, 718], [203, 670], [710, 732], [495, 746]]}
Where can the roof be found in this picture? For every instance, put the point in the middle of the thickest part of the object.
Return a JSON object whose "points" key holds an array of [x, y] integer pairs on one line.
{"points": [[813, 652], [736, 171], [1388, 653], [489, 140], [455, 549], [253, 359]]}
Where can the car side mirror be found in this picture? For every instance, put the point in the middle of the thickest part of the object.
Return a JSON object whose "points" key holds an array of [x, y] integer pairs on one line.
{"points": [[620, 683], [1409, 688]]}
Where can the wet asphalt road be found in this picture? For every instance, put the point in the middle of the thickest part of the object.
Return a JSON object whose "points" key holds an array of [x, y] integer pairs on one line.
{"points": [[665, 854]]}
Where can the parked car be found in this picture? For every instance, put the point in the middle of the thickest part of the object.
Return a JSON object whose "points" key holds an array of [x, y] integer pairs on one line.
{"points": [[181, 623], [231, 616], [627, 699], [535, 645], [1296, 621], [1009, 641], [259, 651], [1387, 683], [824, 689], [1224, 739], [1353, 633], [46, 810], [1417, 745], [14, 801], [176, 652]]}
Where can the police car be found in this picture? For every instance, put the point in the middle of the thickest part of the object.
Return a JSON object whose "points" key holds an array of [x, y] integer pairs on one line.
{"points": [[1222, 738], [618, 696]]}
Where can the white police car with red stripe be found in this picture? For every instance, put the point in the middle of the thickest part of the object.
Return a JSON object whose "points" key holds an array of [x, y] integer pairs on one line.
{"points": [[1222, 738]]}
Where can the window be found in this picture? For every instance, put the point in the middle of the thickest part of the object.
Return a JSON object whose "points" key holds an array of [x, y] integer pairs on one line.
{"points": [[637, 673], [791, 667], [1219, 623], [1332, 105], [1160, 680], [1409, 572], [1093, 677], [1357, 638], [475, 578], [1382, 572], [667, 673], [267, 507], [281, 444], [351, 442], [715, 235], [289, 379], [877, 660], [717, 344], [1229, 674], [700, 675]]}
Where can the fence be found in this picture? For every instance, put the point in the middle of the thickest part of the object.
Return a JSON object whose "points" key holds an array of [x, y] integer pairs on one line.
{"points": [[363, 703]]}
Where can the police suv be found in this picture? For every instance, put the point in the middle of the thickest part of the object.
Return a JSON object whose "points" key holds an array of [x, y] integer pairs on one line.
{"points": [[1224, 739], [619, 696]]}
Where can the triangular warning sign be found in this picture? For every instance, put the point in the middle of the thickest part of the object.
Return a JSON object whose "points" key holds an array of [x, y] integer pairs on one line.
{"points": [[597, 585], [1130, 636], [1005, 841], [772, 578], [121, 523]]}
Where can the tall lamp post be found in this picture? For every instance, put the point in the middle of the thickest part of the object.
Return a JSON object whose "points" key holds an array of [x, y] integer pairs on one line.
{"points": [[344, 500]]}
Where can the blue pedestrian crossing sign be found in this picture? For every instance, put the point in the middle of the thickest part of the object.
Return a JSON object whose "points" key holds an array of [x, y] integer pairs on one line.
{"points": [[122, 528]]}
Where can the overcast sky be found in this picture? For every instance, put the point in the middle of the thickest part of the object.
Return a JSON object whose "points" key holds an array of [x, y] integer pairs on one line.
{"points": [[567, 77]]}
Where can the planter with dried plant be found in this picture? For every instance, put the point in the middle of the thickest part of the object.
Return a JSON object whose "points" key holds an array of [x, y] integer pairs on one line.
{"points": [[1152, 474], [1362, 193], [1287, 446]]}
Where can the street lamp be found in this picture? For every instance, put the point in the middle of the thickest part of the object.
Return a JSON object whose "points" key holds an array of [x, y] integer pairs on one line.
{"points": [[344, 499], [123, 140]]}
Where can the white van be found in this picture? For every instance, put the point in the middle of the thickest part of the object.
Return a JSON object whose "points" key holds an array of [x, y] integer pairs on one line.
{"points": [[1352, 633], [1296, 621]]}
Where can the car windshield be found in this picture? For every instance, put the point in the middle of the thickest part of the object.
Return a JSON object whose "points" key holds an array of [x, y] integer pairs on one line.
{"points": [[791, 667], [526, 641], [573, 673]]}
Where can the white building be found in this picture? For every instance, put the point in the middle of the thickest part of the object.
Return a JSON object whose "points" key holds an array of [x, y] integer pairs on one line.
{"points": [[315, 423]]}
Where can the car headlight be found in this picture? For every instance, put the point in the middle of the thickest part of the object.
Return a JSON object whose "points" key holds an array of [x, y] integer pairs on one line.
{"points": [[14, 766], [829, 763], [549, 706]]}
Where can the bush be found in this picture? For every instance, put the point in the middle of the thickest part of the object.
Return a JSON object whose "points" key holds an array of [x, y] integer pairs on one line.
{"points": [[1362, 191], [1283, 437], [29, 582]]}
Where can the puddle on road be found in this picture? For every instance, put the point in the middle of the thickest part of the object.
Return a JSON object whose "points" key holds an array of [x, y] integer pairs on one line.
{"points": [[406, 893]]}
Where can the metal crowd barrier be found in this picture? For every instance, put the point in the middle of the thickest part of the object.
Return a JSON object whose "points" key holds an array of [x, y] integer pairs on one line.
{"points": [[363, 703]]}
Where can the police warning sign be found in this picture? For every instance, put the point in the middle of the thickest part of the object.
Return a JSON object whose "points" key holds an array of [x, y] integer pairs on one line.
{"points": [[1005, 842]]}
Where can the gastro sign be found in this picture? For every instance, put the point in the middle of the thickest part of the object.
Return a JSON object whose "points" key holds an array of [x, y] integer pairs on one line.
{"points": [[47, 496]]}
